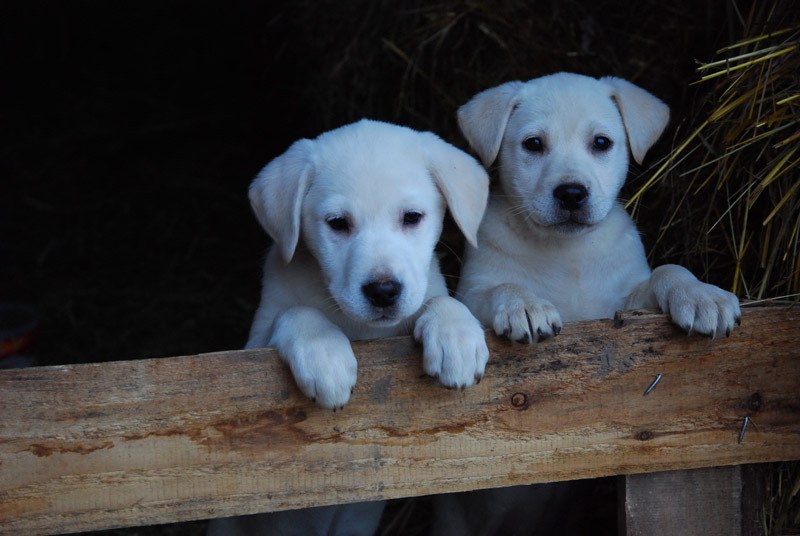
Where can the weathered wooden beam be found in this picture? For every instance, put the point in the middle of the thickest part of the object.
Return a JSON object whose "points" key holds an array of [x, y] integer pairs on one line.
{"points": [[140, 442]]}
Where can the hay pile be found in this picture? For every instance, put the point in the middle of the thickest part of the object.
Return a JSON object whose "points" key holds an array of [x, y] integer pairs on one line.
{"points": [[781, 513], [414, 63], [731, 183]]}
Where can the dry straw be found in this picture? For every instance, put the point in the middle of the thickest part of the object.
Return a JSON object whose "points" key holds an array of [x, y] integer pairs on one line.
{"points": [[737, 168]]}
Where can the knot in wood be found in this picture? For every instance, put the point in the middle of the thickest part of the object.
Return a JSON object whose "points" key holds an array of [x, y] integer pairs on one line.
{"points": [[645, 435], [519, 400], [754, 402]]}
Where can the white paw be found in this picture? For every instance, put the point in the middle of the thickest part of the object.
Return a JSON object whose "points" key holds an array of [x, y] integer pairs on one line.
{"points": [[453, 343], [522, 317], [702, 308], [321, 360]]}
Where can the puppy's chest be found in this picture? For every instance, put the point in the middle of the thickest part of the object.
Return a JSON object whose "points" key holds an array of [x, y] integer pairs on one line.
{"points": [[580, 288], [357, 331]]}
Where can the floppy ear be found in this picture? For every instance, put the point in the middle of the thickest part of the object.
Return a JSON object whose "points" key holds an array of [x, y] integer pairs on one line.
{"points": [[645, 117], [277, 192], [463, 183], [484, 118]]}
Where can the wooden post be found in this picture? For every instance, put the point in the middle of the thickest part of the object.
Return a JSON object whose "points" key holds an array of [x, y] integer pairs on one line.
{"points": [[713, 501], [702, 502], [141, 442]]}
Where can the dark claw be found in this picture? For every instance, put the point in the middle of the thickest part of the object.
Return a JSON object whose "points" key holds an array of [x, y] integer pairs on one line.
{"points": [[462, 386], [728, 332], [507, 333], [542, 335], [478, 378], [738, 320], [525, 339], [352, 389], [314, 399], [556, 329]]}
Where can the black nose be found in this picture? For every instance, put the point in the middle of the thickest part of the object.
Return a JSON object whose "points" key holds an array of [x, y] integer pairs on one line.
{"points": [[382, 293], [571, 196]]}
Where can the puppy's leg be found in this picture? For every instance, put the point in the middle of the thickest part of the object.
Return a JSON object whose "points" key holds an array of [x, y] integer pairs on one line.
{"points": [[318, 354], [515, 313], [694, 306], [454, 345]]}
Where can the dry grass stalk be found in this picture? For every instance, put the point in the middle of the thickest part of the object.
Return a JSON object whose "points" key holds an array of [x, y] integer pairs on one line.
{"points": [[738, 168], [781, 513]]}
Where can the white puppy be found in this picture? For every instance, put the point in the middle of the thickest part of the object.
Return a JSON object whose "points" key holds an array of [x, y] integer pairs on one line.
{"points": [[355, 215], [368, 200], [556, 243]]}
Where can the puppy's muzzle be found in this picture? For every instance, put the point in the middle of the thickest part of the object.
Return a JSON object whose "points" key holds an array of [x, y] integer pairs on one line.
{"points": [[383, 293], [571, 196]]}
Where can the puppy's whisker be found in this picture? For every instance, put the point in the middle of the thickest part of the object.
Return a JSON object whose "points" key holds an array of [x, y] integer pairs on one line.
{"points": [[498, 195], [523, 211], [516, 211], [458, 295], [516, 204], [408, 324], [331, 305], [452, 251]]}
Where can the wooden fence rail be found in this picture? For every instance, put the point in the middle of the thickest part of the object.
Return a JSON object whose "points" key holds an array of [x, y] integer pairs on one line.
{"points": [[141, 442]]}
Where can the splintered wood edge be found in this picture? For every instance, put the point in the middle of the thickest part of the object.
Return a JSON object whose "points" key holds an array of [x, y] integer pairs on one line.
{"points": [[85, 447]]}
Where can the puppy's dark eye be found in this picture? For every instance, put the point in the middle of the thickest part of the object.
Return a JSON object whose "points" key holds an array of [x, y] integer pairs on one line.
{"points": [[412, 218], [602, 144], [534, 144], [338, 224]]}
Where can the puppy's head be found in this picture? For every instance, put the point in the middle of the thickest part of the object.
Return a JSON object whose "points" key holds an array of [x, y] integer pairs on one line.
{"points": [[563, 143], [368, 200]]}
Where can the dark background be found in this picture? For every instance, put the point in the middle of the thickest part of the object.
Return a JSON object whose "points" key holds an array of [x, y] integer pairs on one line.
{"points": [[129, 133]]}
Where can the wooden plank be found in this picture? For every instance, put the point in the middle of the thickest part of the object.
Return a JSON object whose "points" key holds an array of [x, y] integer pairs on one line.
{"points": [[712, 501], [133, 443]]}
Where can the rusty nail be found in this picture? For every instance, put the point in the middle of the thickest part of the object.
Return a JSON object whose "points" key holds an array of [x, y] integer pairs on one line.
{"points": [[652, 385], [744, 427]]}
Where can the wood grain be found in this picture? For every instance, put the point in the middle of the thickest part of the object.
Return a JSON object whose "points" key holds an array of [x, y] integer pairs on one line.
{"points": [[141, 442]]}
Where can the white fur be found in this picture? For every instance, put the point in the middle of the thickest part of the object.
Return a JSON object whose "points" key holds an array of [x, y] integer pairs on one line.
{"points": [[540, 263], [371, 174]]}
